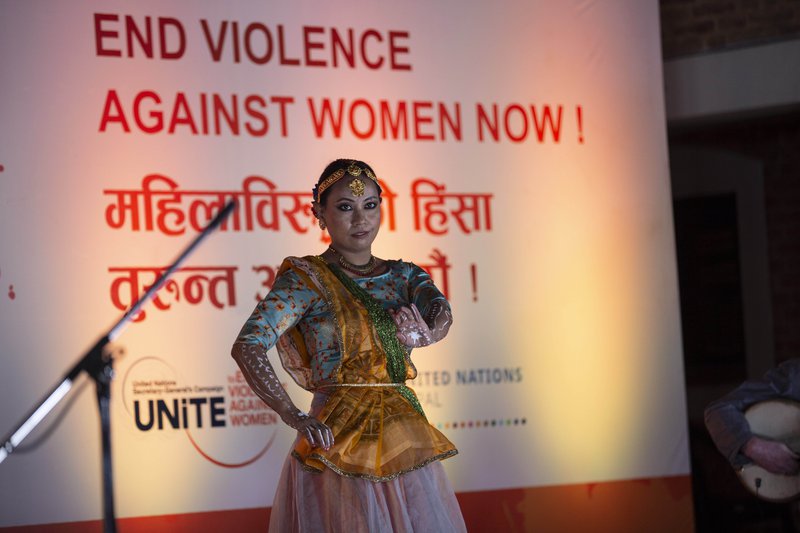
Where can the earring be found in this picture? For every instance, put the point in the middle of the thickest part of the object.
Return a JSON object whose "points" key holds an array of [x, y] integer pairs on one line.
{"points": [[322, 225]]}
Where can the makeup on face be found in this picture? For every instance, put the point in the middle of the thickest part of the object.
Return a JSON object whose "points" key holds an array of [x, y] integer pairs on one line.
{"points": [[353, 219]]}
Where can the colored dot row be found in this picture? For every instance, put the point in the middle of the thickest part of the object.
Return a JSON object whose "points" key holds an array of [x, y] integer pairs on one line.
{"points": [[465, 424]]}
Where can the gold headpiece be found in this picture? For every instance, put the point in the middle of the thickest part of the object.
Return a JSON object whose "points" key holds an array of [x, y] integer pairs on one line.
{"points": [[357, 187], [354, 170]]}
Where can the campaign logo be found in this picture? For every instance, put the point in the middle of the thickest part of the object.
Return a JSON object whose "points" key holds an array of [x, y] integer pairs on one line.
{"points": [[227, 424]]}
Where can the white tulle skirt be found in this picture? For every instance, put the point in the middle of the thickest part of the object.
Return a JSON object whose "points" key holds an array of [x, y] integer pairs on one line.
{"points": [[420, 501]]}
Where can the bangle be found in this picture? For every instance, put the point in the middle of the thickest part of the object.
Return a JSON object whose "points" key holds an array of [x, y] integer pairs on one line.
{"points": [[430, 316]]}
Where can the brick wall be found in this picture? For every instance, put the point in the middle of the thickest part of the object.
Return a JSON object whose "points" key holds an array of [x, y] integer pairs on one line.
{"points": [[696, 26], [776, 142]]}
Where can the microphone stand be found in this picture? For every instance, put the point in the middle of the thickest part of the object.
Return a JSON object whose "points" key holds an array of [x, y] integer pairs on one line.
{"points": [[97, 363]]}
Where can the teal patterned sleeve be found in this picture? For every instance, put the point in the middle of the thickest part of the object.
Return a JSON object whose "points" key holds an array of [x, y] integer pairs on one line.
{"points": [[422, 292], [288, 301]]}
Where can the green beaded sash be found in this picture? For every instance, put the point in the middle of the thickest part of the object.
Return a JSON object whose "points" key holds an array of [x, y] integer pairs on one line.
{"points": [[387, 334]]}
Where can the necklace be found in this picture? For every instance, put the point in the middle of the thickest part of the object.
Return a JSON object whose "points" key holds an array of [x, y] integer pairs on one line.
{"points": [[364, 269]]}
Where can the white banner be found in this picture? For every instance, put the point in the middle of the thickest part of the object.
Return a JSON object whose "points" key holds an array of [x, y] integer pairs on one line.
{"points": [[522, 149]]}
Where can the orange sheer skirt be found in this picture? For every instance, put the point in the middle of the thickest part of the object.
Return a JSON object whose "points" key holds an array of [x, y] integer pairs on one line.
{"points": [[418, 497], [378, 434]]}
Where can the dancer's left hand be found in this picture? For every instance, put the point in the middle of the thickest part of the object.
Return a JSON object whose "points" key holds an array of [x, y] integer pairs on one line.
{"points": [[412, 331]]}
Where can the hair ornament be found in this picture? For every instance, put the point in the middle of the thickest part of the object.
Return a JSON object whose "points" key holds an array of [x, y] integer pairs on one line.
{"points": [[353, 170]]}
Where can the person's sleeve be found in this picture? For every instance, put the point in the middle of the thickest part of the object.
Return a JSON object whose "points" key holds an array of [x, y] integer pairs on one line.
{"points": [[290, 298], [725, 418], [422, 292]]}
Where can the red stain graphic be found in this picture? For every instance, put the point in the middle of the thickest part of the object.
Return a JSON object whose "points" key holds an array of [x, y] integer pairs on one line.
{"points": [[11, 293]]}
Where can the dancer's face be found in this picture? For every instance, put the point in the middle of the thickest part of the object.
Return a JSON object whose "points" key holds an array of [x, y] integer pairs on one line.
{"points": [[353, 221]]}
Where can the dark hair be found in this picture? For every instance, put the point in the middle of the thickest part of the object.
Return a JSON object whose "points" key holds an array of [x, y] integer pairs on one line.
{"points": [[332, 167]]}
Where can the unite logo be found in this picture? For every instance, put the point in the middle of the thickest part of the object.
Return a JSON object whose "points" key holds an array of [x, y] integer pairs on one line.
{"points": [[227, 425], [180, 417]]}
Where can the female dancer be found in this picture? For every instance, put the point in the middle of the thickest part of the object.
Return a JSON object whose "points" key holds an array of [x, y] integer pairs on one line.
{"points": [[365, 458]]}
